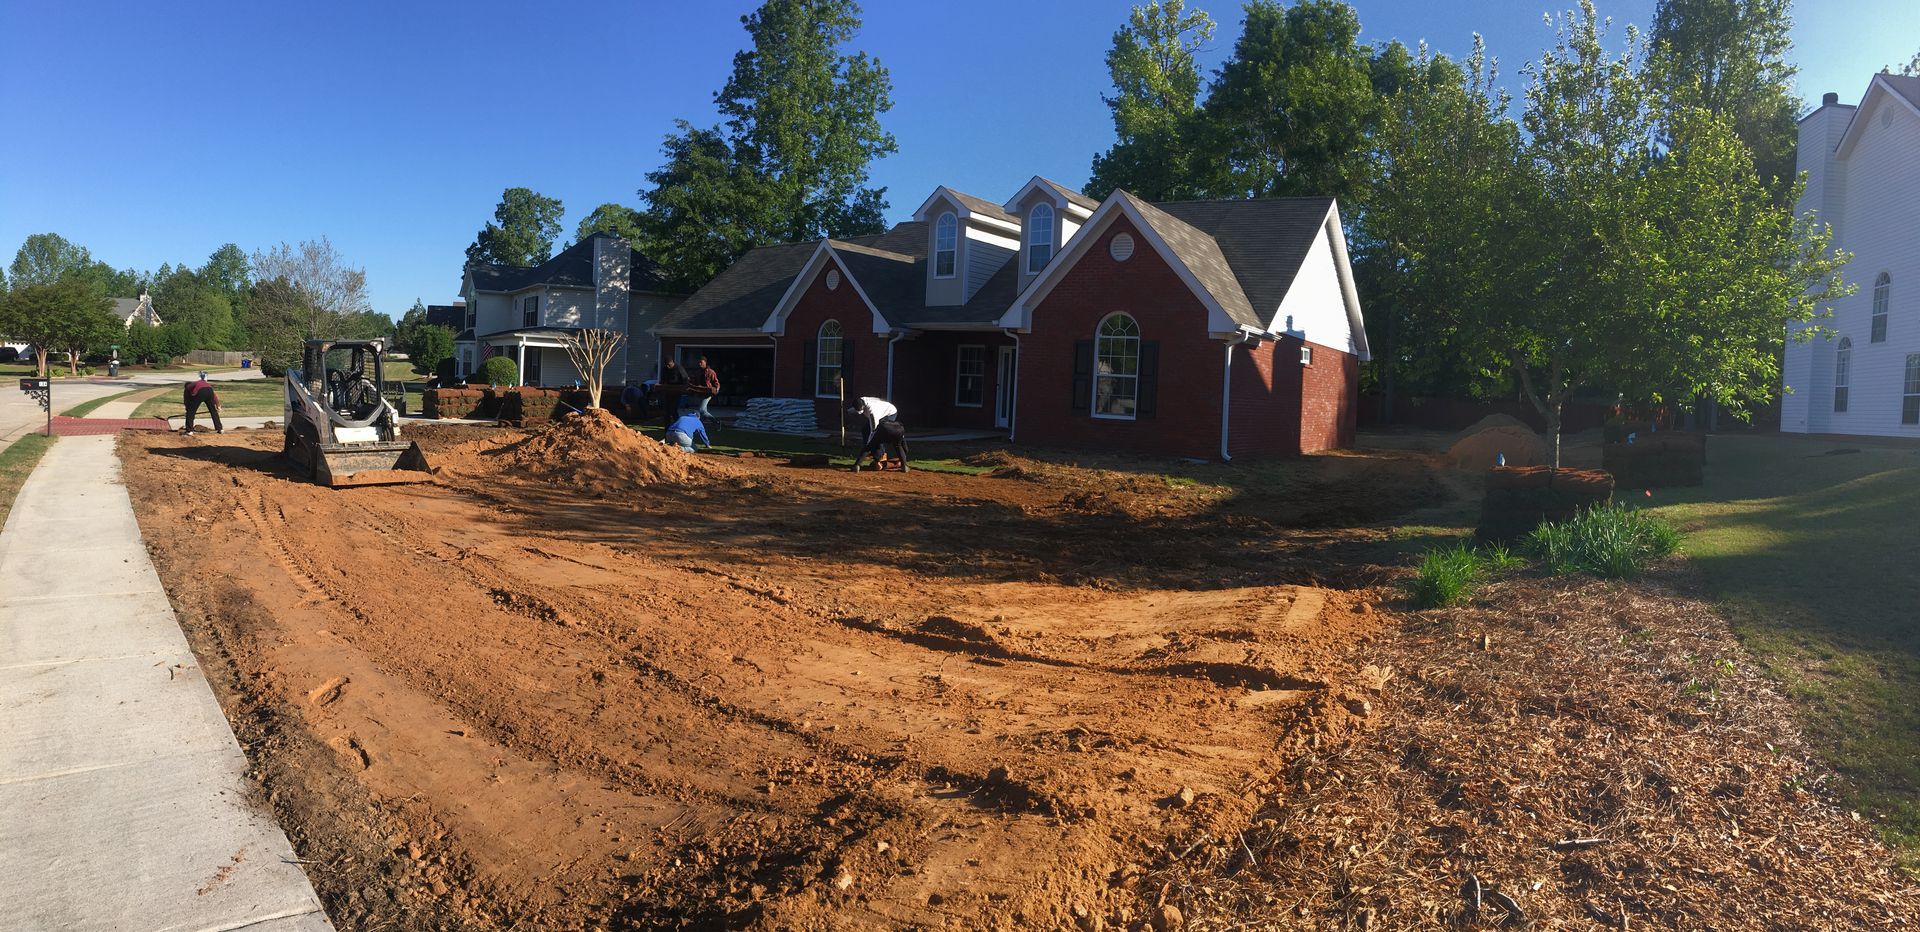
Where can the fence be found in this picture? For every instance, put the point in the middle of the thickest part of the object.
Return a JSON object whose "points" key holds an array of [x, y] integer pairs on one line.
{"points": [[1457, 413], [207, 357]]}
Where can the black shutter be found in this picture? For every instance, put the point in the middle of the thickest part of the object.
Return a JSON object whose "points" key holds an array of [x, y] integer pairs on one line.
{"points": [[1149, 383], [808, 380], [846, 366], [1082, 376]]}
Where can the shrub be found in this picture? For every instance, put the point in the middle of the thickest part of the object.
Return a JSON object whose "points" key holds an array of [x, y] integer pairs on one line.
{"points": [[1446, 576], [499, 370], [1611, 542], [448, 370]]}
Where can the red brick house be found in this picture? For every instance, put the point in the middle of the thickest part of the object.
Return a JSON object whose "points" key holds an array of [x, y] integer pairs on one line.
{"points": [[1199, 328]]}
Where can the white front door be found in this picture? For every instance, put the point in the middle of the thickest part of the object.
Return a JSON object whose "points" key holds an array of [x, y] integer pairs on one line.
{"points": [[1003, 389]]}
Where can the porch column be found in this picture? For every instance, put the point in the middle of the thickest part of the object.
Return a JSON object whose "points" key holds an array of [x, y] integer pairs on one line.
{"points": [[520, 363]]}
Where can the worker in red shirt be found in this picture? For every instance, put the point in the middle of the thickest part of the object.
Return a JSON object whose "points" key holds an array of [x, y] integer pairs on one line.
{"points": [[200, 392], [706, 378]]}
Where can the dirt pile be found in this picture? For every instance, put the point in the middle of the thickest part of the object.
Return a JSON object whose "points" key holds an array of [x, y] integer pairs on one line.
{"points": [[592, 449], [1479, 449]]}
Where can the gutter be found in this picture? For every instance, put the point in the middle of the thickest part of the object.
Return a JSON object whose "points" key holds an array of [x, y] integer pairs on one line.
{"points": [[1013, 404], [1241, 338]]}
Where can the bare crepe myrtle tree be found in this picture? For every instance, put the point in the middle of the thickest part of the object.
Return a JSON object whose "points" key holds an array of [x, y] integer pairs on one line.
{"points": [[591, 350]]}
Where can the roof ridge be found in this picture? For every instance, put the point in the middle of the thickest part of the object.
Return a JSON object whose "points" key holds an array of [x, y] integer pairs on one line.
{"points": [[869, 250], [1236, 200]]}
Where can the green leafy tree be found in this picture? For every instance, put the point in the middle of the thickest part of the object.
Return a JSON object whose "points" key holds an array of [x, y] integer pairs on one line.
{"points": [[172, 341], [1729, 57], [406, 331], [1910, 69], [524, 227], [432, 346], [185, 298], [1446, 150], [1156, 81], [228, 269], [140, 344], [618, 219], [1292, 110], [801, 126], [66, 314], [46, 258]]}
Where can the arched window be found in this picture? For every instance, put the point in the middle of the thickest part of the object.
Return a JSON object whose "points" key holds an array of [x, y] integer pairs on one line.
{"points": [[1039, 237], [1842, 372], [1116, 369], [827, 361], [946, 245], [1882, 286]]}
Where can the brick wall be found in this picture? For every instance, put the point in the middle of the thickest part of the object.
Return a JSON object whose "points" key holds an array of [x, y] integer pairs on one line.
{"points": [[817, 305], [1187, 422]]}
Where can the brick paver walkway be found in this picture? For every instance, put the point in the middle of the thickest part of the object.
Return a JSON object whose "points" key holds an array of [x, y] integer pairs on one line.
{"points": [[91, 426]]}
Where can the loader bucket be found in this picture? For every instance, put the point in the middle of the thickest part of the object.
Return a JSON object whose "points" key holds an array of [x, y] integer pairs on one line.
{"points": [[387, 462]]}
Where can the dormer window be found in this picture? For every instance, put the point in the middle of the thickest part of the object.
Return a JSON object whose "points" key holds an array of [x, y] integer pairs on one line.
{"points": [[946, 244], [1039, 238]]}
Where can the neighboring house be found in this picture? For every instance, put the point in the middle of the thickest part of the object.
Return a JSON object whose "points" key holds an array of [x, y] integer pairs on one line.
{"points": [[1863, 181], [1199, 328], [527, 314], [136, 309], [454, 317]]}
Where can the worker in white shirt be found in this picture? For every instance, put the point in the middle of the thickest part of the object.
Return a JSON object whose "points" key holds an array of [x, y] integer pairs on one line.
{"points": [[883, 430]]}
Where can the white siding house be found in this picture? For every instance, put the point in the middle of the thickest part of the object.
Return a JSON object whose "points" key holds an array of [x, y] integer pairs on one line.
{"points": [[528, 314], [1863, 181]]}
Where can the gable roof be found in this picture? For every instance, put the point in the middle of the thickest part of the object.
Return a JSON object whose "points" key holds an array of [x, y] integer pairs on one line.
{"points": [[127, 309], [974, 206], [572, 267], [1263, 242], [1059, 191], [1901, 90]]}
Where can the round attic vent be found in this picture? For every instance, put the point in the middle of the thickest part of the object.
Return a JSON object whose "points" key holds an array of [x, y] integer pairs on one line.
{"points": [[833, 279], [1120, 247]]}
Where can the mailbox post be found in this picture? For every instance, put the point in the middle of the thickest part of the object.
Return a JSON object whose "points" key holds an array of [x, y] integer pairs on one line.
{"points": [[41, 390]]}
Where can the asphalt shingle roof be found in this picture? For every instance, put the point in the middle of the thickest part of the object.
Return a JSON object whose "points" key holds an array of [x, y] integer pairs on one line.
{"points": [[1071, 195], [1907, 86], [1244, 253], [571, 268]]}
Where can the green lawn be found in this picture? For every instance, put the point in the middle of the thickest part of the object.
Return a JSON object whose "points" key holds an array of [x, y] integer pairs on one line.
{"points": [[86, 407], [1810, 550], [254, 398], [16, 463]]}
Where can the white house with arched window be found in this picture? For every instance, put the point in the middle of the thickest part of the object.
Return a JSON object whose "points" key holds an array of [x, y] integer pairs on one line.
{"points": [[1862, 375]]}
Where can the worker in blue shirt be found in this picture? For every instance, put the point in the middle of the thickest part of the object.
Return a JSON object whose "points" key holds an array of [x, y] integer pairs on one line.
{"points": [[683, 432]]}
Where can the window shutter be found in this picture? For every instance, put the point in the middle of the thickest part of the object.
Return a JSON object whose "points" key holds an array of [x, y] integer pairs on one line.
{"points": [[1082, 376], [809, 381], [846, 357], [1148, 389]]}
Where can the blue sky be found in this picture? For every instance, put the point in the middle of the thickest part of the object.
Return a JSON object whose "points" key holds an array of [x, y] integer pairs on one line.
{"points": [[155, 132]]}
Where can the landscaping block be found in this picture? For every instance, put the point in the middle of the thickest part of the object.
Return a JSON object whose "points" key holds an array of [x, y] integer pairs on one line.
{"points": [[1520, 498], [1669, 458]]}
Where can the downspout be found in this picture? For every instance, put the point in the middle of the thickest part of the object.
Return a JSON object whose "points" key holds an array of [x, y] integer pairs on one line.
{"points": [[1013, 404], [1226, 394], [898, 335]]}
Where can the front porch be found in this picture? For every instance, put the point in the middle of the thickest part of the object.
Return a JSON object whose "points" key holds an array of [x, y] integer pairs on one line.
{"points": [[540, 357]]}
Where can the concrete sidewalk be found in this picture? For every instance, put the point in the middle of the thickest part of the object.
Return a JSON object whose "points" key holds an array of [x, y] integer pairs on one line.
{"points": [[123, 800]]}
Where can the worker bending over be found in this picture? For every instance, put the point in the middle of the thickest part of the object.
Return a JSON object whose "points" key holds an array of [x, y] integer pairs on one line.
{"points": [[683, 432], [200, 392], [883, 429]]}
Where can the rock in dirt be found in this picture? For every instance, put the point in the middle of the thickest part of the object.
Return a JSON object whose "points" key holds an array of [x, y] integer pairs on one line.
{"points": [[1184, 797], [1168, 919]]}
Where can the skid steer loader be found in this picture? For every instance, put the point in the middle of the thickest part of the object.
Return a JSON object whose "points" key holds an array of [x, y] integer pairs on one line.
{"points": [[340, 427]]}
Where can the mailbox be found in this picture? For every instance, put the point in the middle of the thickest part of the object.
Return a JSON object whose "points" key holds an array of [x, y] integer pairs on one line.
{"points": [[34, 385]]}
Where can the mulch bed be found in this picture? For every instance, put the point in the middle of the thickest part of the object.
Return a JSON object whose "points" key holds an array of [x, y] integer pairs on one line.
{"points": [[1578, 753]]}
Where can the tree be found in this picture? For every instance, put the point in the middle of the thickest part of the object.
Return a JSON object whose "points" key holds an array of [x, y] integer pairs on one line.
{"points": [[1156, 80], [801, 125], [46, 258], [64, 314], [183, 297], [618, 219], [433, 344], [1292, 109], [591, 350], [522, 234], [1445, 151], [1910, 69], [1729, 57], [305, 292], [228, 269]]}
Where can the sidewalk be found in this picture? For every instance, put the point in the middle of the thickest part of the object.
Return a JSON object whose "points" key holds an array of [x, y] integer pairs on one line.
{"points": [[123, 801]]}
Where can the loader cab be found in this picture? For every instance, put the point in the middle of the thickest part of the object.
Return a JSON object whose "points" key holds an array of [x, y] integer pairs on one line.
{"points": [[351, 380]]}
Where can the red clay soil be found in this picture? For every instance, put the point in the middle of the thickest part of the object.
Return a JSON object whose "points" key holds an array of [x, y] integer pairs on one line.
{"points": [[563, 688], [585, 681]]}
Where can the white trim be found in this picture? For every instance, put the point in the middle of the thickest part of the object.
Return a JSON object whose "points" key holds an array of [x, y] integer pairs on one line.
{"points": [[776, 322], [957, 350], [934, 254], [1093, 388], [839, 368], [962, 211], [1051, 189], [1854, 125]]}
